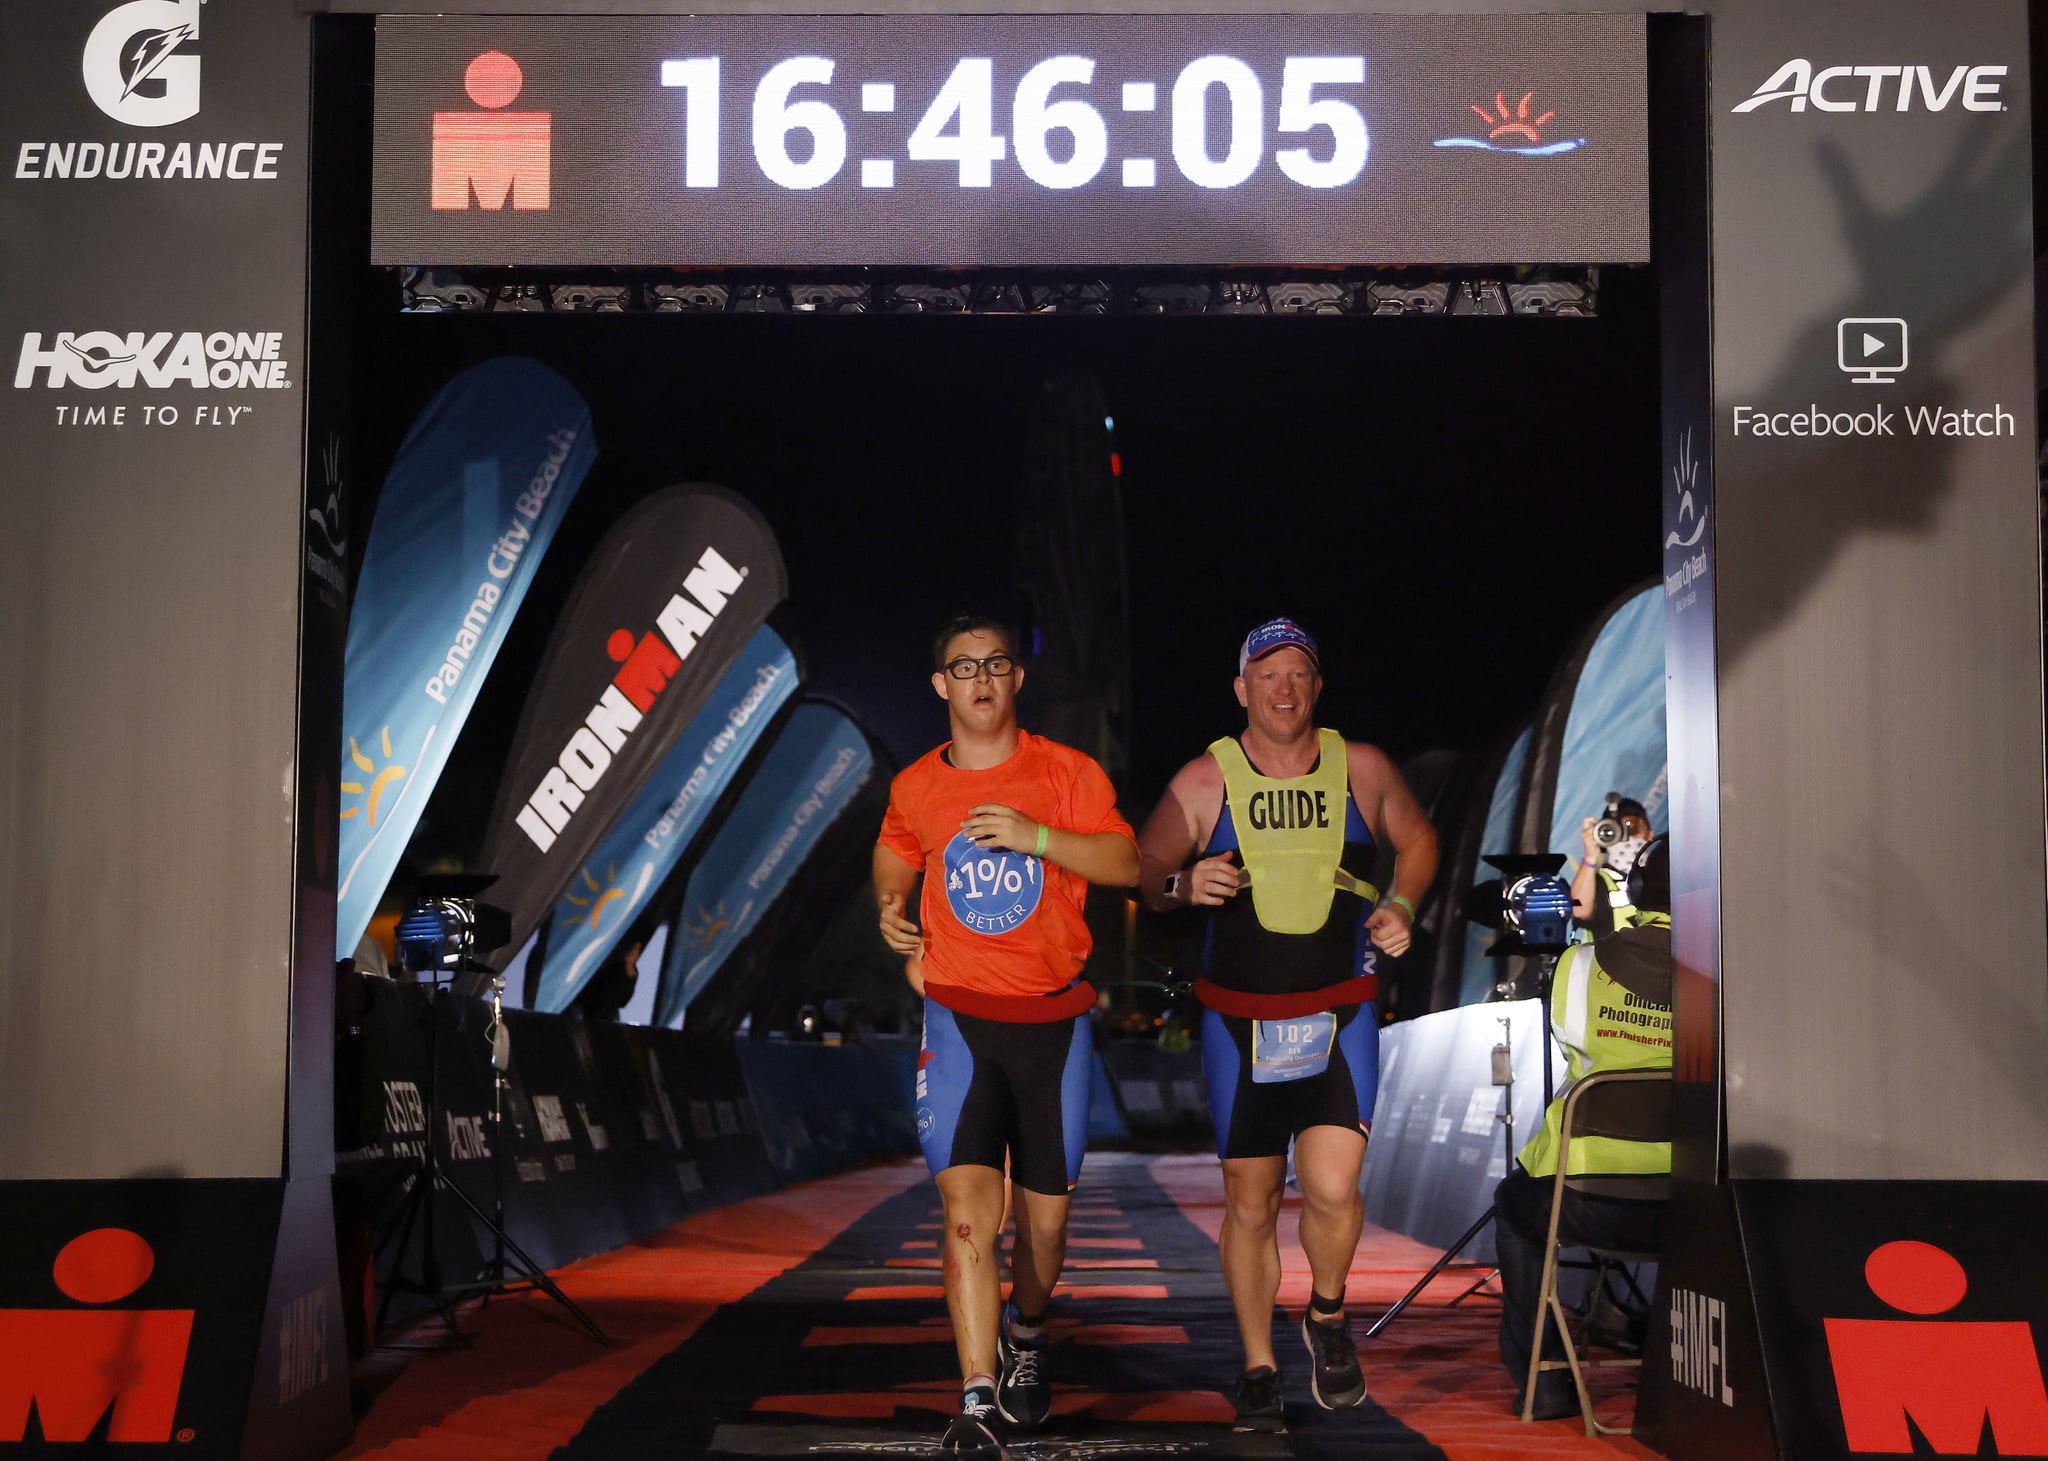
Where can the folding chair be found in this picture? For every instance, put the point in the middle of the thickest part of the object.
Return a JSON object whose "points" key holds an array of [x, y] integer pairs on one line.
{"points": [[1633, 1105]]}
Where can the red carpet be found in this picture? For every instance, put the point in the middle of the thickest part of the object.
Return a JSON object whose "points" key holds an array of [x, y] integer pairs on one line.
{"points": [[531, 1381]]}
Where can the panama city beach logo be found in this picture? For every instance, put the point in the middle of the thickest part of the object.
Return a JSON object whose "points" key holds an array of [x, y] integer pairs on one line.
{"points": [[1879, 88], [1515, 128], [594, 897], [489, 157], [646, 665], [68, 1368], [1684, 540], [327, 523], [141, 67]]}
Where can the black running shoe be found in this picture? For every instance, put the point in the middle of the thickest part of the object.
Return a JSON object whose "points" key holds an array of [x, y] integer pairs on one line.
{"points": [[971, 1434], [1260, 1405], [1023, 1394], [1333, 1375]]}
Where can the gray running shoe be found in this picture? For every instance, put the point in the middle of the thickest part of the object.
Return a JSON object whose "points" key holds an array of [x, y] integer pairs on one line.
{"points": [[1333, 1376]]}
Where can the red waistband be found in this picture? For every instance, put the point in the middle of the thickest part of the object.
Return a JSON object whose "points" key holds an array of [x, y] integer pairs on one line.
{"points": [[1240, 1005], [1015, 1009]]}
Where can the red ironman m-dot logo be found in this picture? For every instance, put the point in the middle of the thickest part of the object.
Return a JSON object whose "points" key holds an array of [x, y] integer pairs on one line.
{"points": [[492, 155], [1948, 1375], [71, 1365]]}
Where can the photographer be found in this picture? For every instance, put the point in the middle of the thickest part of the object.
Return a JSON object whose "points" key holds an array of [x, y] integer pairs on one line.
{"points": [[1610, 1009], [1612, 842]]}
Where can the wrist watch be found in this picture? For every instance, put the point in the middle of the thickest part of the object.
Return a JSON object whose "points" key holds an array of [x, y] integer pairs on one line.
{"points": [[1173, 886]]}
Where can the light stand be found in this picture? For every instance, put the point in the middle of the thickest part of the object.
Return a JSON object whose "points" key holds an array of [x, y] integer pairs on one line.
{"points": [[448, 929], [509, 1270], [1503, 1076], [1525, 904]]}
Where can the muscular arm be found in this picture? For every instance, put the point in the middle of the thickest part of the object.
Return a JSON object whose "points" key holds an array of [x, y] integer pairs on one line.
{"points": [[1394, 815], [1179, 825]]}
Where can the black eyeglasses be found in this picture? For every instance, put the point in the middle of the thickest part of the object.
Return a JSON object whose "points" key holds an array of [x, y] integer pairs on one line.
{"points": [[999, 666]]}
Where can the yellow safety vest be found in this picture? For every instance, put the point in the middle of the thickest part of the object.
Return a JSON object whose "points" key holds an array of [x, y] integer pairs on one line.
{"points": [[1290, 835], [1602, 1027]]}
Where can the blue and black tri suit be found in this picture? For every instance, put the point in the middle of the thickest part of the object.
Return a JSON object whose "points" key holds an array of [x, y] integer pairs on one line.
{"points": [[991, 1091], [1269, 967]]}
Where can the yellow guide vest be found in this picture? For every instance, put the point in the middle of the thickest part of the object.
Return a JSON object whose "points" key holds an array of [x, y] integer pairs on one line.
{"points": [[1602, 1027], [1290, 835]]}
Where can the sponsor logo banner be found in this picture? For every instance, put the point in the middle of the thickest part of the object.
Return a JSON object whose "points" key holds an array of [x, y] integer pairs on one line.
{"points": [[629, 866], [816, 766], [670, 597], [1896, 1317], [142, 66], [1799, 83], [466, 514]]}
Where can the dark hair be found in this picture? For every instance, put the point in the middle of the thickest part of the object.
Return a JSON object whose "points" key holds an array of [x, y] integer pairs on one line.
{"points": [[1628, 806], [961, 624], [1649, 877]]}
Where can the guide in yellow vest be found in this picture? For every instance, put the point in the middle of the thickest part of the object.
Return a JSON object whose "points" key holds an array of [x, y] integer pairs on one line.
{"points": [[1273, 834], [1610, 1009]]}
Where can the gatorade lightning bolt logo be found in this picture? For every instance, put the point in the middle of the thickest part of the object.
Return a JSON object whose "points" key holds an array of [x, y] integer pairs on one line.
{"points": [[140, 64]]}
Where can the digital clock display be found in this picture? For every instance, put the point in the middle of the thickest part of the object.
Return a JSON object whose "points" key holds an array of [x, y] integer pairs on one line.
{"points": [[1040, 141]]}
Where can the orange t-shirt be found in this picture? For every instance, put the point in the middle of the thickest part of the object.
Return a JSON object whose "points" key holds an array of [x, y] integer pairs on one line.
{"points": [[999, 922]]}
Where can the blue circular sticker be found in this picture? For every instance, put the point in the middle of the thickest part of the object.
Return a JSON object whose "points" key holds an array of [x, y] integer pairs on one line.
{"points": [[991, 889]]}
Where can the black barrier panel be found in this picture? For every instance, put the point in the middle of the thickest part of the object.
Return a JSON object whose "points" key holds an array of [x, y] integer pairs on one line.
{"points": [[825, 1107], [607, 1132]]}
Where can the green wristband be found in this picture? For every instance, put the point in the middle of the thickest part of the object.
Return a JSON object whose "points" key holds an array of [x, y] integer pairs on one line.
{"points": [[1397, 898], [1044, 835]]}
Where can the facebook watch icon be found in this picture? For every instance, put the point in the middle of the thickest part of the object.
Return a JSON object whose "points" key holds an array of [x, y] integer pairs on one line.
{"points": [[1872, 351]]}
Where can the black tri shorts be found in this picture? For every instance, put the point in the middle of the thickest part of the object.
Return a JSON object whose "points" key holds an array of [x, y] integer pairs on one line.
{"points": [[1254, 1120], [990, 1089]]}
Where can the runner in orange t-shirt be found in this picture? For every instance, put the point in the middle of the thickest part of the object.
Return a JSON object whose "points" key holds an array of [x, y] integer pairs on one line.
{"points": [[1007, 829]]}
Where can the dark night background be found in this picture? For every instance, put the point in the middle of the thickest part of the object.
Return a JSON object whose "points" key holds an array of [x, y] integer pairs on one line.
{"points": [[1445, 502]]}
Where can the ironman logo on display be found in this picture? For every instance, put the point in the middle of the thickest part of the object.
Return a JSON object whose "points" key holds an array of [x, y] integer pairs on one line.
{"points": [[71, 1366], [491, 156]]}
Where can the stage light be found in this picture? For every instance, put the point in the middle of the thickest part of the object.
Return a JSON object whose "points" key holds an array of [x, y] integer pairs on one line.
{"points": [[1528, 903], [438, 935]]}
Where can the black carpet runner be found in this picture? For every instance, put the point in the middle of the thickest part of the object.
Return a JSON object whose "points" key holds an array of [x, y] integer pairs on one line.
{"points": [[832, 1358]]}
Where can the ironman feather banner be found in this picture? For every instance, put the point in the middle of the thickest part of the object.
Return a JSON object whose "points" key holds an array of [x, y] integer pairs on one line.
{"points": [[1011, 140], [471, 503], [817, 765], [653, 833], [670, 598]]}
